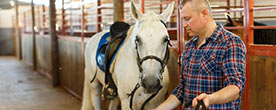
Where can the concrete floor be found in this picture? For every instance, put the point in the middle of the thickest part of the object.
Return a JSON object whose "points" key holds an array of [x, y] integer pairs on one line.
{"points": [[23, 89]]}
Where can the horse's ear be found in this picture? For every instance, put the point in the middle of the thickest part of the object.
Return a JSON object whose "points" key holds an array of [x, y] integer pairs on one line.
{"points": [[229, 19], [134, 11], [166, 15]]}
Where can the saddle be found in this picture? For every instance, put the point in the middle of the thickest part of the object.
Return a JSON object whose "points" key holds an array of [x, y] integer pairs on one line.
{"points": [[108, 49]]}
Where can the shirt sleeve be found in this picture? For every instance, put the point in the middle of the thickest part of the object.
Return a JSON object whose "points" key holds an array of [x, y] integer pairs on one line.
{"points": [[234, 63], [178, 91]]}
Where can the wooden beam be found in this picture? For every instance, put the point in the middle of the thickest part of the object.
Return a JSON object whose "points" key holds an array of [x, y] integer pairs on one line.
{"points": [[33, 33], [18, 36], [118, 10], [54, 44]]}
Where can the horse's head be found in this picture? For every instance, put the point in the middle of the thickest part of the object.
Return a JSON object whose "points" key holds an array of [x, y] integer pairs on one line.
{"points": [[150, 38], [232, 23]]}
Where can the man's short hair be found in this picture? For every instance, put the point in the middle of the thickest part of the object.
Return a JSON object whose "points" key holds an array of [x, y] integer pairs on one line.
{"points": [[199, 5]]}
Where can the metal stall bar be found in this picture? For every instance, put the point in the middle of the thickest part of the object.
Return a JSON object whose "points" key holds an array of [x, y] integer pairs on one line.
{"points": [[142, 5], [248, 35], [228, 6], [82, 21], [180, 30]]}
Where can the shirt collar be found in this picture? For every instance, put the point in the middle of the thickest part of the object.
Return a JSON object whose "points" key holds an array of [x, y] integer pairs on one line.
{"points": [[214, 36]]}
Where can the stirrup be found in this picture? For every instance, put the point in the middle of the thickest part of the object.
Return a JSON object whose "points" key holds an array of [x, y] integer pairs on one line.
{"points": [[108, 93]]}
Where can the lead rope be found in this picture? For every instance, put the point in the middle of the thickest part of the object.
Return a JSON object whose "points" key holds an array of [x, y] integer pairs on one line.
{"points": [[132, 95], [152, 96], [200, 102]]}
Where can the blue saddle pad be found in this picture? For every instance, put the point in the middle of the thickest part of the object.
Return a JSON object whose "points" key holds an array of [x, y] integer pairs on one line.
{"points": [[100, 53]]}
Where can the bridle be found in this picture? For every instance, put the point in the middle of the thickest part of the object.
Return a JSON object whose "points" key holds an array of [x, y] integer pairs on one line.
{"points": [[148, 57], [139, 64]]}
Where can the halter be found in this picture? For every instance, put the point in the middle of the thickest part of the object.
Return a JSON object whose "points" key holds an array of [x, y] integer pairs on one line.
{"points": [[140, 62], [148, 57]]}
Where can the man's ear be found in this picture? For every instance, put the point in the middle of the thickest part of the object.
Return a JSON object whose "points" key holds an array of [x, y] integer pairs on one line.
{"points": [[205, 13]]}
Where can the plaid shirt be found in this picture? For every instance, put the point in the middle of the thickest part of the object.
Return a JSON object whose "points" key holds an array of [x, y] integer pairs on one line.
{"points": [[220, 62]]}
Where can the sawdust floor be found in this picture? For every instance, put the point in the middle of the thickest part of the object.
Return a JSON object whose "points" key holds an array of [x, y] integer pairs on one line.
{"points": [[21, 88]]}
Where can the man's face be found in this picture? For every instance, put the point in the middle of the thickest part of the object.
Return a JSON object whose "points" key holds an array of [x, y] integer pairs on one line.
{"points": [[192, 20]]}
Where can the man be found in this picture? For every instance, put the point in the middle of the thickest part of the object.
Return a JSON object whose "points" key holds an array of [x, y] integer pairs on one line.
{"points": [[213, 63]]}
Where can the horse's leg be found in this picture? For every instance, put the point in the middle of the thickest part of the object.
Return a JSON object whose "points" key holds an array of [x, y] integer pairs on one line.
{"points": [[125, 104], [114, 104], [91, 94], [96, 94], [86, 101]]}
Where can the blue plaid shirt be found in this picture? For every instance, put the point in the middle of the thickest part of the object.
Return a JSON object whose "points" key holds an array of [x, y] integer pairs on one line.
{"points": [[220, 62]]}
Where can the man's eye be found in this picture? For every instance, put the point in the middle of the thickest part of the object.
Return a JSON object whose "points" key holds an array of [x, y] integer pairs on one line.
{"points": [[187, 19]]}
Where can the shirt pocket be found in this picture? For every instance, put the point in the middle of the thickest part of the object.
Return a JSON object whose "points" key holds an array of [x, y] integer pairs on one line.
{"points": [[184, 62], [208, 64]]}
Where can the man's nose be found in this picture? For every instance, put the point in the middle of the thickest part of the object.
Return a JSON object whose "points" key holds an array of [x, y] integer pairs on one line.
{"points": [[185, 24]]}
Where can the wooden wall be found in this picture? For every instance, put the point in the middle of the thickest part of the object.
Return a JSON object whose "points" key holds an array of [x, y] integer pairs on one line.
{"points": [[43, 55], [72, 66], [7, 41], [71, 70], [27, 48], [262, 80]]}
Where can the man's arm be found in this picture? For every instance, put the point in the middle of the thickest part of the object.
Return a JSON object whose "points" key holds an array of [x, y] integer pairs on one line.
{"points": [[233, 66], [170, 103], [225, 95]]}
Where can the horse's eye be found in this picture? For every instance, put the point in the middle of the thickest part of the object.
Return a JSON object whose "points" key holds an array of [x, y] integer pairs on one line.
{"points": [[167, 39], [137, 39]]}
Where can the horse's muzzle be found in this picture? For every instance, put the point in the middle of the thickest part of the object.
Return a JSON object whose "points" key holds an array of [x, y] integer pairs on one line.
{"points": [[150, 85]]}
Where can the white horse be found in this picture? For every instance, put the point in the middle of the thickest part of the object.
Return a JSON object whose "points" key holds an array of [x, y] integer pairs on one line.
{"points": [[148, 41]]}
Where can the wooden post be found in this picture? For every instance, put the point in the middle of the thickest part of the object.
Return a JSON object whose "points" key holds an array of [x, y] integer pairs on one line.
{"points": [[53, 43], [160, 7], [118, 10], [18, 36], [43, 17], [63, 19], [99, 18], [34, 39], [235, 6]]}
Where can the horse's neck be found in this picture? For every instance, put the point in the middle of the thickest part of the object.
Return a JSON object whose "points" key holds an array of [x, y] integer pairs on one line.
{"points": [[127, 47], [128, 52]]}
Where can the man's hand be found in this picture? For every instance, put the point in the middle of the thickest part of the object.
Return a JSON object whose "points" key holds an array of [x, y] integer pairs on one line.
{"points": [[171, 103], [206, 99]]}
